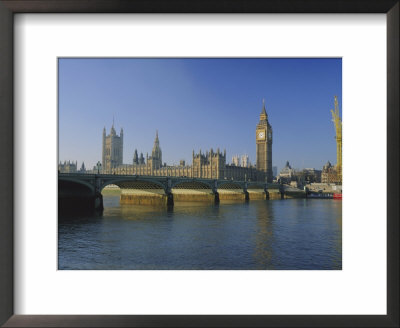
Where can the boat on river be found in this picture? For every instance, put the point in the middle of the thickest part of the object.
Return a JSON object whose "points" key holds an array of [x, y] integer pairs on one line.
{"points": [[337, 196], [324, 195]]}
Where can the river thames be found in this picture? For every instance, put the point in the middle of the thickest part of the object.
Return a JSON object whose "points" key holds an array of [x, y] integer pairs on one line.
{"points": [[290, 234]]}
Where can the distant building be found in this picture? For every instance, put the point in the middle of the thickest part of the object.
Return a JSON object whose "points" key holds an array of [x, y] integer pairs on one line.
{"points": [[329, 174], [311, 175], [241, 161], [67, 167], [236, 160], [287, 174], [112, 150], [210, 165], [275, 171], [244, 161], [155, 161], [135, 157], [83, 168], [307, 176]]}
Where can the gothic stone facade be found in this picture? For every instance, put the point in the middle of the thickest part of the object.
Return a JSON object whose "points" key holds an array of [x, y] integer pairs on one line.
{"points": [[329, 174], [209, 165], [264, 145], [67, 167], [112, 153]]}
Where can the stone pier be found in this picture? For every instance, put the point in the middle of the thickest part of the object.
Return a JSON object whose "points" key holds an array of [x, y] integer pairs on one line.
{"points": [[275, 194], [257, 194], [192, 195], [83, 191], [233, 194], [155, 197]]}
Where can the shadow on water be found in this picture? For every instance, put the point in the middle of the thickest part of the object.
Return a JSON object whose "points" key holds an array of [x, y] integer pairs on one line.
{"points": [[78, 215], [112, 209], [278, 234]]}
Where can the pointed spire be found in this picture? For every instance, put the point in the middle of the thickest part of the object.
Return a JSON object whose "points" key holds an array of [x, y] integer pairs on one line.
{"points": [[263, 108], [156, 141], [112, 131], [263, 115]]}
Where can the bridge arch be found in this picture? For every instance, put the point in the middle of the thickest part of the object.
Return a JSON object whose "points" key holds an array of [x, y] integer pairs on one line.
{"points": [[230, 185], [71, 182], [191, 184], [134, 184], [78, 196], [193, 190]]}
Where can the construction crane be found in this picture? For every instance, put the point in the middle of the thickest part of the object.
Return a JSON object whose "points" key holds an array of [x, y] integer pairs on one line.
{"points": [[338, 127]]}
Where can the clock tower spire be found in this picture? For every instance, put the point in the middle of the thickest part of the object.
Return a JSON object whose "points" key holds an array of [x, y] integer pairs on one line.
{"points": [[263, 115], [264, 145]]}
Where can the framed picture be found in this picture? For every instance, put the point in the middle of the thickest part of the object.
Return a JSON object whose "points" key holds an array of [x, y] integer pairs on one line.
{"points": [[65, 76]]}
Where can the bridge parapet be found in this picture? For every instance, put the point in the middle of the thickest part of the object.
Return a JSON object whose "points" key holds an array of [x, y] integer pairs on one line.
{"points": [[169, 185]]}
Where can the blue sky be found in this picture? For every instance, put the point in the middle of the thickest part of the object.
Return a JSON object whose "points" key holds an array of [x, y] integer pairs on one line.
{"points": [[199, 104]]}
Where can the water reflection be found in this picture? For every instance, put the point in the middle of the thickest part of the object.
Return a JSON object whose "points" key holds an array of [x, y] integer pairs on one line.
{"points": [[264, 235], [279, 234], [337, 261]]}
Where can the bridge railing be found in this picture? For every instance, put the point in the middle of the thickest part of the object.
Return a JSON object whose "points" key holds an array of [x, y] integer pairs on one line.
{"points": [[221, 182]]}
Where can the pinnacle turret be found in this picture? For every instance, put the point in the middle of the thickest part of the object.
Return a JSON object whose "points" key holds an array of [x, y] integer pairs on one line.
{"points": [[263, 115], [135, 157], [156, 153], [112, 149]]}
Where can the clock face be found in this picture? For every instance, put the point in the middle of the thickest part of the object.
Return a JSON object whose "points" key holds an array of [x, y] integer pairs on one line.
{"points": [[261, 135]]}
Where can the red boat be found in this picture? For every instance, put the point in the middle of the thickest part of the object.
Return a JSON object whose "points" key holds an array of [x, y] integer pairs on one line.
{"points": [[337, 196]]}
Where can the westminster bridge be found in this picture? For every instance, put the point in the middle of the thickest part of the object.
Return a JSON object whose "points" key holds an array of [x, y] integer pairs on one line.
{"points": [[81, 192]]}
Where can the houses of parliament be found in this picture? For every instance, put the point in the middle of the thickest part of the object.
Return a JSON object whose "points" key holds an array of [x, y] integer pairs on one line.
{"points": [[209, 165]]}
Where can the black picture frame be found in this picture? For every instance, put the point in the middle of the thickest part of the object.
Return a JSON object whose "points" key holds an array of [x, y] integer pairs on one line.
{"points": [[7, 10]]}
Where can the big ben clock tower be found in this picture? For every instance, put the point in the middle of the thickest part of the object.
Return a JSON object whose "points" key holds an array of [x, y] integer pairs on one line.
{"points": [[264, 145]]}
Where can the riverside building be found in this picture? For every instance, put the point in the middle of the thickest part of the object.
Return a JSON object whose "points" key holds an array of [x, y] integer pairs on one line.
{"points": [[210, 164]]}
